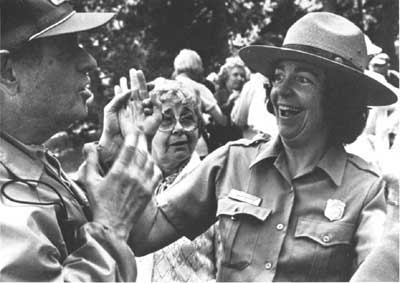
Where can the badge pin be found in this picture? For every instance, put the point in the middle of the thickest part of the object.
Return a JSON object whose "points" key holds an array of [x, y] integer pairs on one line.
{"points": [[334, 209]]}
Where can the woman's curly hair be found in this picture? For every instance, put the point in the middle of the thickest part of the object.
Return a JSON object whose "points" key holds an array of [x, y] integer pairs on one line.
{"points": [[225, 70]]}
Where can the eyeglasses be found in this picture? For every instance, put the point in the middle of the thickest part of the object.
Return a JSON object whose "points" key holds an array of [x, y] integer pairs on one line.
{"points": [[188, 122]]}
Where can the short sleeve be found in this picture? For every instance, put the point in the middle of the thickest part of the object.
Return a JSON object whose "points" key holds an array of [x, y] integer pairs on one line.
{"points": [[190, 205]]}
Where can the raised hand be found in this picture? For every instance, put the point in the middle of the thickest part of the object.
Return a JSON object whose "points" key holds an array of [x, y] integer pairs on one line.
{"points": [[143, 111], [118, 199]]}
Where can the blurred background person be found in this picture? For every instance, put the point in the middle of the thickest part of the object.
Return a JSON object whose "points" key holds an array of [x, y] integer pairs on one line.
{"points": [[250, 111], [231, 78], [176, 132], [380, 64], [188, 69]]}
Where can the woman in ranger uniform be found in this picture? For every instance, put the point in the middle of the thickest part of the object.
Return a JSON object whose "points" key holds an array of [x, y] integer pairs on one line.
{"points": [[295, 207]]}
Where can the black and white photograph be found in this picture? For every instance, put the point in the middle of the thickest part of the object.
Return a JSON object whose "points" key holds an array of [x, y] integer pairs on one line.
{"points": [[199, 141]]}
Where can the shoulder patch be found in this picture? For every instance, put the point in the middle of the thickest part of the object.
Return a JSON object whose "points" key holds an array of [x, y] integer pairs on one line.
{"points": [[259, 138], [362, 164]]}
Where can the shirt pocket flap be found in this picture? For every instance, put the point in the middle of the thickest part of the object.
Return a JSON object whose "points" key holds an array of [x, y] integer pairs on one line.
{"points": [[227, 206], [325, 233]]}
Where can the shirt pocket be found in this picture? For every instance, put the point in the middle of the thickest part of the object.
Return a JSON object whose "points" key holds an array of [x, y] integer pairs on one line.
{"points": [[326, 234], [327, 246], [239, 227]]}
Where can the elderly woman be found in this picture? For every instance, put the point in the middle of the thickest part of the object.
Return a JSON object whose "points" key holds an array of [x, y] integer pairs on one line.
{"points": [[231, 78], [174, 135], [295, 207]]}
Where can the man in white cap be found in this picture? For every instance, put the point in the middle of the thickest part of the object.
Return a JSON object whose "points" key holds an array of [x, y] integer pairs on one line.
{"points": [[296, 207], [52, 230]]}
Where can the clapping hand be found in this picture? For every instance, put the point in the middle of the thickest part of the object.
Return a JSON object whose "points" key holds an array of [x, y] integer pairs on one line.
{"points": [[118, 199]]}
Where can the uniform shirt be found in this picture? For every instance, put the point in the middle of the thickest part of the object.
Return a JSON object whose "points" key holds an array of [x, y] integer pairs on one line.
{"points": [[39, 242], [277, 228]]}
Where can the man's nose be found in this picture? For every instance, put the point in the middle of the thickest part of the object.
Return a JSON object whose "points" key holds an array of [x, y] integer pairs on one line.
{"points": [[86, 62]]}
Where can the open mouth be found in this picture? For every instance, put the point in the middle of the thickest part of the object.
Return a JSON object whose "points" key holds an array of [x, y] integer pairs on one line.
{"points": [[286, 111], [178, 143]]}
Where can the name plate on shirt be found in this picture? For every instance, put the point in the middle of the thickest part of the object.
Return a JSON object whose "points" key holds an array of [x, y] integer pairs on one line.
{"points": [[244, 197]]}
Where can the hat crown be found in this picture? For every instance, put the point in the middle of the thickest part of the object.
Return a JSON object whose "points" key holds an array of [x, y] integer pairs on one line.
{"points": [[330, 33]]}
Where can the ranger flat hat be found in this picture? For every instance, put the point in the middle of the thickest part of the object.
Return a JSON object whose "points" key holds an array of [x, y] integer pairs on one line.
{"points": [[328, 41], [26, 20]]}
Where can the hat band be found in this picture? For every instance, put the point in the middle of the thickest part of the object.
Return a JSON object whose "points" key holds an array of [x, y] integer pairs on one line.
{"points": [[322, 53]]}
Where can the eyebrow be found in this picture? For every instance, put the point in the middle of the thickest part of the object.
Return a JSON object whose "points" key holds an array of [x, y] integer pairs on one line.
{"points": [[308, 70]]}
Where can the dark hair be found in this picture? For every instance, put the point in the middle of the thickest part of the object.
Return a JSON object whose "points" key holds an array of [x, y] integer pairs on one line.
{"points": [[345, 110]]}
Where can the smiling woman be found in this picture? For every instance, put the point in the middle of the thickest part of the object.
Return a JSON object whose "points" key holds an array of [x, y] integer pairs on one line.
{"points": [[295, 207]]}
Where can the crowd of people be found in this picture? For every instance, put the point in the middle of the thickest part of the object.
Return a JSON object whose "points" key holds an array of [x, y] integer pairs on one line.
{"points": [[281, 166]]}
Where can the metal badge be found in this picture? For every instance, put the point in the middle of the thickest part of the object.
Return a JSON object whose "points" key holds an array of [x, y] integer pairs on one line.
{"points": [[334, 209], [244, 197]]}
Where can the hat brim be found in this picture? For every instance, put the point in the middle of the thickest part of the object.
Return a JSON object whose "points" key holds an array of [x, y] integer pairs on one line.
{"points": [[263, 59], [78, 22]]}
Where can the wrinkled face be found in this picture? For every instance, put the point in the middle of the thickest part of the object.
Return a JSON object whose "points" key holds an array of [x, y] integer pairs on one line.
{"points": [[56, 86], [236, 78], [296, 96], [176, 137]]}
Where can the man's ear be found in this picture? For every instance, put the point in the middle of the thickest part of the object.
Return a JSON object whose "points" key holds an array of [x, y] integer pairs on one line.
{"points": [[8, 82]]}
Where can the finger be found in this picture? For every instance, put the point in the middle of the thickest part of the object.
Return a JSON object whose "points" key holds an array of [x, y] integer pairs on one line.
{"points": [[123, 82], [127, 152], [142, 85], [91, 170], [157, 176], [149, 169], [119, 100], [117, 90], [134, 84], [140, 159], [155, 100]]}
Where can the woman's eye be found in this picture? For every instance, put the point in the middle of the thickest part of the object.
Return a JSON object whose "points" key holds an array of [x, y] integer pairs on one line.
{"points": [[188, 118], [304, 80], [277, 77]]}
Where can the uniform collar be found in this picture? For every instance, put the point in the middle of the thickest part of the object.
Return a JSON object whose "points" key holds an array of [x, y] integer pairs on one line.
{"points": [[332, 163], [20, 159], [268, 150]]}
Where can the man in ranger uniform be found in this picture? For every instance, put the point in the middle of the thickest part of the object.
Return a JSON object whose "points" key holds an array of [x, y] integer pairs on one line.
{"points": [[52, 230]]}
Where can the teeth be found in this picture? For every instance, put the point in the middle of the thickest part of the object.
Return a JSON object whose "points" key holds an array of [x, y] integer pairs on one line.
{"points": [[288, 108], [286, 111]]}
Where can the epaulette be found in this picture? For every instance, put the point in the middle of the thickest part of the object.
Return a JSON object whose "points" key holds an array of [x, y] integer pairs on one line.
{"points": [[257, 139], [362, 164]]}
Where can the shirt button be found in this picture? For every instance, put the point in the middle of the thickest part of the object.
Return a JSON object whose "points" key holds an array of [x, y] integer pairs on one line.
{"points": [[280, 227], [326, 238], [268, 265]]}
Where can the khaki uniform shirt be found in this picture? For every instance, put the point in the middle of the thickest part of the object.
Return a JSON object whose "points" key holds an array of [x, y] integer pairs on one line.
{"points": [[317, 227], [39, 242]]}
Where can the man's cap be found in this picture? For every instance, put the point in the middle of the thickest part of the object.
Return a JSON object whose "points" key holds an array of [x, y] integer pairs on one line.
{"points": [[26, 20], [330, 42]]}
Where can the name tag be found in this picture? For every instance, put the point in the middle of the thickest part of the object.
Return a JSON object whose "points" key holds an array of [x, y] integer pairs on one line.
{"points": [[244, 197]]}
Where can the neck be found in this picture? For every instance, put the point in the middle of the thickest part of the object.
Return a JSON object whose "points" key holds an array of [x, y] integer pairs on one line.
{"points": [[302, 159]]}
